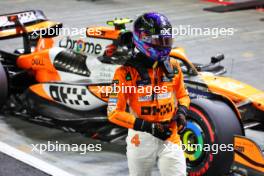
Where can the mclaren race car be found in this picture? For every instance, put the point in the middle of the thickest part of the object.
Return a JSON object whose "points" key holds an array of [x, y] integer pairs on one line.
{"points": [[59, 81]]}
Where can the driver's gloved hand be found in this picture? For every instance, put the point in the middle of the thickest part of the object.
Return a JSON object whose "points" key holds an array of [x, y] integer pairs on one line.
{"points": [[180, 118], [159, 130]]}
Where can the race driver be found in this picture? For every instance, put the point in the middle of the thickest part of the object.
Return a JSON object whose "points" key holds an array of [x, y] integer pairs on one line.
{"points": [[155, 110]]}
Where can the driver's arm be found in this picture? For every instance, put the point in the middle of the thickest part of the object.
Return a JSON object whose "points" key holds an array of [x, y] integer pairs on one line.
{"points": [[116, 110], [181, 93]]}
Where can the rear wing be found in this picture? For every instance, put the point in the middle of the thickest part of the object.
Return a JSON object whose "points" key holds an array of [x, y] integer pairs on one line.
{"points": [[31, 21]]}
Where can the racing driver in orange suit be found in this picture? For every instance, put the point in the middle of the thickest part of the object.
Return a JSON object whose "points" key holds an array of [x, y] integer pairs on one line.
{"points": [[155, 108]]}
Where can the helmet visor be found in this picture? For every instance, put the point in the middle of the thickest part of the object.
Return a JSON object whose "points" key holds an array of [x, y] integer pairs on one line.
{"points": [[161, 40]]}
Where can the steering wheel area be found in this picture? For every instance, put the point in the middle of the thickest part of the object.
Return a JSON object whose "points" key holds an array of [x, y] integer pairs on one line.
{"points": [[187, 69]]}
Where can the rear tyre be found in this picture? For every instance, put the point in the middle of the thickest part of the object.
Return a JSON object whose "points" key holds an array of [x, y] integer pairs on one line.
{"points": [[3, 85], [212, 125]]}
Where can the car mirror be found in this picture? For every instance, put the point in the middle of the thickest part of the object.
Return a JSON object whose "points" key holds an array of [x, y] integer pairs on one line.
{"points": [[217, 58]]}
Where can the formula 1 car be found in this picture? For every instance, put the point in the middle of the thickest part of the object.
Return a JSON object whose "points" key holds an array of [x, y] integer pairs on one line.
{"points": [[61, 86]]}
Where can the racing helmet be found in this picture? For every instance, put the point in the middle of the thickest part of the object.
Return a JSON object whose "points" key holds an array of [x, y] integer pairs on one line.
{"points": [[152, 36]]}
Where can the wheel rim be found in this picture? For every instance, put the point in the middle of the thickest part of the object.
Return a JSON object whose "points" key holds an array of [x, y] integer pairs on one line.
{"points": [[193, 134]]}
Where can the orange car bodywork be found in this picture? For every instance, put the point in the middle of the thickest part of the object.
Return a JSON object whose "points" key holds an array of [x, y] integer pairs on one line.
{"points": [[103, 32], [39, 90], [247, 153], [94, 89], [40, 64], [235, 90]]}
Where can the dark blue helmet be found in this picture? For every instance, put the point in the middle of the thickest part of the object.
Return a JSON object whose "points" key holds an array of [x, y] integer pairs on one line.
{"points": [[152, 35]]}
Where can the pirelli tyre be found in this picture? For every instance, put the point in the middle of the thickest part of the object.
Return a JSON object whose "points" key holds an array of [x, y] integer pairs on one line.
{"points": [[3, 85], [211, 126]]}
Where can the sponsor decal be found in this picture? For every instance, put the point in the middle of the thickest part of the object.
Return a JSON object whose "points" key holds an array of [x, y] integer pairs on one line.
{"points": [[111, 106], [112, 101], [24, 17], [81, 46], [145, 98], [128, 77], [175, 70], [113, 94], [165, 79], [110, 109], [154, 110], [116, 81], [37, 61], [69, 95], [104, 95], [156, 97], [164, 95], [240, 148], [198, 93], [197, 87]]}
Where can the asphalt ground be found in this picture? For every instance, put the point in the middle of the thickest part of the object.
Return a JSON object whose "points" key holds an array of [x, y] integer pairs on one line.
{"points": [[244, 61], [13, 167]]}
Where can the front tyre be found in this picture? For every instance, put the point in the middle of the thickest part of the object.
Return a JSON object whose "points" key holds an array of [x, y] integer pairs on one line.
{"points": [[211, 126]]}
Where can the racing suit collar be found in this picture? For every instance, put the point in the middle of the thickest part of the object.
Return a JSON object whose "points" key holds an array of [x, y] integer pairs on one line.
{"points": [[146, 62]]}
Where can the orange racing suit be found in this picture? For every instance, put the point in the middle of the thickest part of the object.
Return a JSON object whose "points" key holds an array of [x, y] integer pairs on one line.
{"points": [[159, 105]]}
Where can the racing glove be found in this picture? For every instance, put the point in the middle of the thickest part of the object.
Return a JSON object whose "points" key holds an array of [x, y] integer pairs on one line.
{"points": [[159, 130], [180, 118]]}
